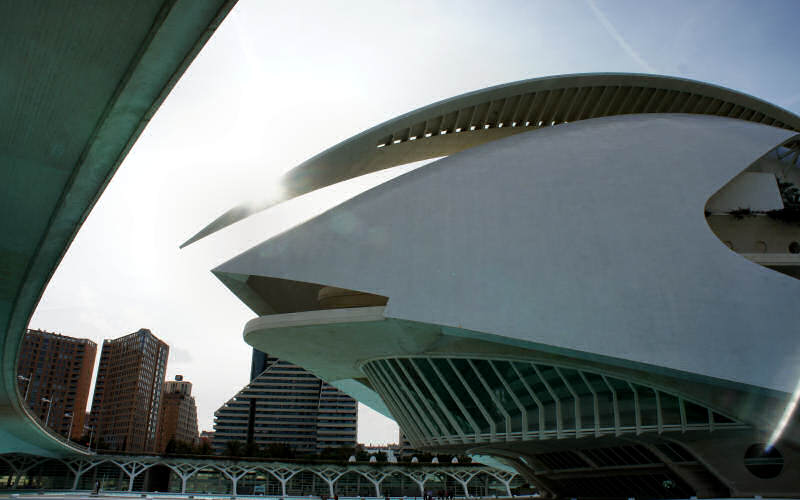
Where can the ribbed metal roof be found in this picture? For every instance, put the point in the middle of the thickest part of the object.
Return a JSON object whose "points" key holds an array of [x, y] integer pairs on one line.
{"points": [[474, 118]]}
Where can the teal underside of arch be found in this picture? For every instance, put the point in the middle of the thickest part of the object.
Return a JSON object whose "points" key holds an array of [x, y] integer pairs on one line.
{"points": [[85, 80]]}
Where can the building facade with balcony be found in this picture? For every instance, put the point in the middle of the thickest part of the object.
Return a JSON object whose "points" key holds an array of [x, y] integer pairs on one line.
{"points": [[595, 283], [54, 373], [285, 404]]}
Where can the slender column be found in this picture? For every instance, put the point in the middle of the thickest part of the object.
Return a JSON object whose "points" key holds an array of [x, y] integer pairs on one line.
{"points": [[595, 404], [576, 400], [481, 408], [637, 409], [379, 477], [234, 477], [441, 436], [617, 425], [283, 486], [463, 478], [555, 398], [414, 425], [659, 412], [136, 468], [439, 401], [81, 467], [331, 475], [419, 478], [412, 401], [536, 400], [283, 475], [475, 427], [497, 403], [522, 412]]}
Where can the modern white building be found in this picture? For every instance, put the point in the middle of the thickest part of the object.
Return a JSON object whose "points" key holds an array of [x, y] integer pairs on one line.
{"points": [[597, 284]]}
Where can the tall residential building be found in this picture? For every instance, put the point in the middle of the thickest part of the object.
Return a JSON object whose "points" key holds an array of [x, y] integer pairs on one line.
{"points": [[54, 374], [286, 404], [127, 395], [177, 419]]}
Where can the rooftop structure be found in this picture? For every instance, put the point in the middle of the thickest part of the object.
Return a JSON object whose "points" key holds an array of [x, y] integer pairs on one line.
{"points": [[585, 288], [84, 80]]}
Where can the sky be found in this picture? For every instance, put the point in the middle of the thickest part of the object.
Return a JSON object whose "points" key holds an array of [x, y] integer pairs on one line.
{"points": [[281, 81]]}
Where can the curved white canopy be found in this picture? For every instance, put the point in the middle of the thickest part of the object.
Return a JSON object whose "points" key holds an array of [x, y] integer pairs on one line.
{"points": [[461, 122]]}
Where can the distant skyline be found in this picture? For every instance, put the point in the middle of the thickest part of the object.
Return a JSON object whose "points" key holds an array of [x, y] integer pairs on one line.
{"points": [[278, 83]]}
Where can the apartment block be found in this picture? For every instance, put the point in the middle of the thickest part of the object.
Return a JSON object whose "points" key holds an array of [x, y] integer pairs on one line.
{"points": [[177, 419], [127, 395], [286, 404], [54, 373]]}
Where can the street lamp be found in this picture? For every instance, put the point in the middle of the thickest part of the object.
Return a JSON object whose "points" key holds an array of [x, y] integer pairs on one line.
{"points": [[49, 407], [27, 386], [91, 434], [71, 418]]}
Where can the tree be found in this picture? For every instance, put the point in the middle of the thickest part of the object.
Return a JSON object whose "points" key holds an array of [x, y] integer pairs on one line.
{"points": [[234, 448], [170, 448], [337, 453], [278, 450], [252, 449], [204, 448]]}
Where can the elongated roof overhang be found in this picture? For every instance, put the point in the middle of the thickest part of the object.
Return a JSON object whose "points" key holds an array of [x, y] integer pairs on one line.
{"points": [[461, 122], [80, 81]]}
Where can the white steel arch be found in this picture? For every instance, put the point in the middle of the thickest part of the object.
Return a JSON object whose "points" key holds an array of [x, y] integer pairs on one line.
{"points": [[185, 468]]}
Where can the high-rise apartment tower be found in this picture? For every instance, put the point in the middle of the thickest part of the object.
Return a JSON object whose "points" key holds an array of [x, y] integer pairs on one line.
{"points": [[127, 395], [286, 404], [54, 373], [177, 420]]}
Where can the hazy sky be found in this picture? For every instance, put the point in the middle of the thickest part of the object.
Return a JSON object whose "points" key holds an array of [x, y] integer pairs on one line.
{"points": [[281, 81]]}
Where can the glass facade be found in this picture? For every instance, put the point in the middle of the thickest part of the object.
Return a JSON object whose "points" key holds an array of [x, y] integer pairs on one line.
{"points": [[448, 400]]}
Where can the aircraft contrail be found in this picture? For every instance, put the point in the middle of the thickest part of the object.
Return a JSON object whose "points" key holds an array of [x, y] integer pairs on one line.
{"points": [[616, 36]]}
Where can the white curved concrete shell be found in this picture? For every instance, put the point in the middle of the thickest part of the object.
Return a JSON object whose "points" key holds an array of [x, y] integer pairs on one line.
{"points": [[501, 296]]}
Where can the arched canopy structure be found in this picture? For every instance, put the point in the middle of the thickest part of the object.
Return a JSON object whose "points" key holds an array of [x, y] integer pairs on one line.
{"points": [[330, 479]]}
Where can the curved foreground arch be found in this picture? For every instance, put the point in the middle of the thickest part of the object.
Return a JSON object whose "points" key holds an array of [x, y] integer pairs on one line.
{"points": [[86, 80]]}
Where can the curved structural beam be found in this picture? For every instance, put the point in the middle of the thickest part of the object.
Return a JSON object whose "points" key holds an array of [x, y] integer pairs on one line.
{"points": [[85, 80], [475, 118]]}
